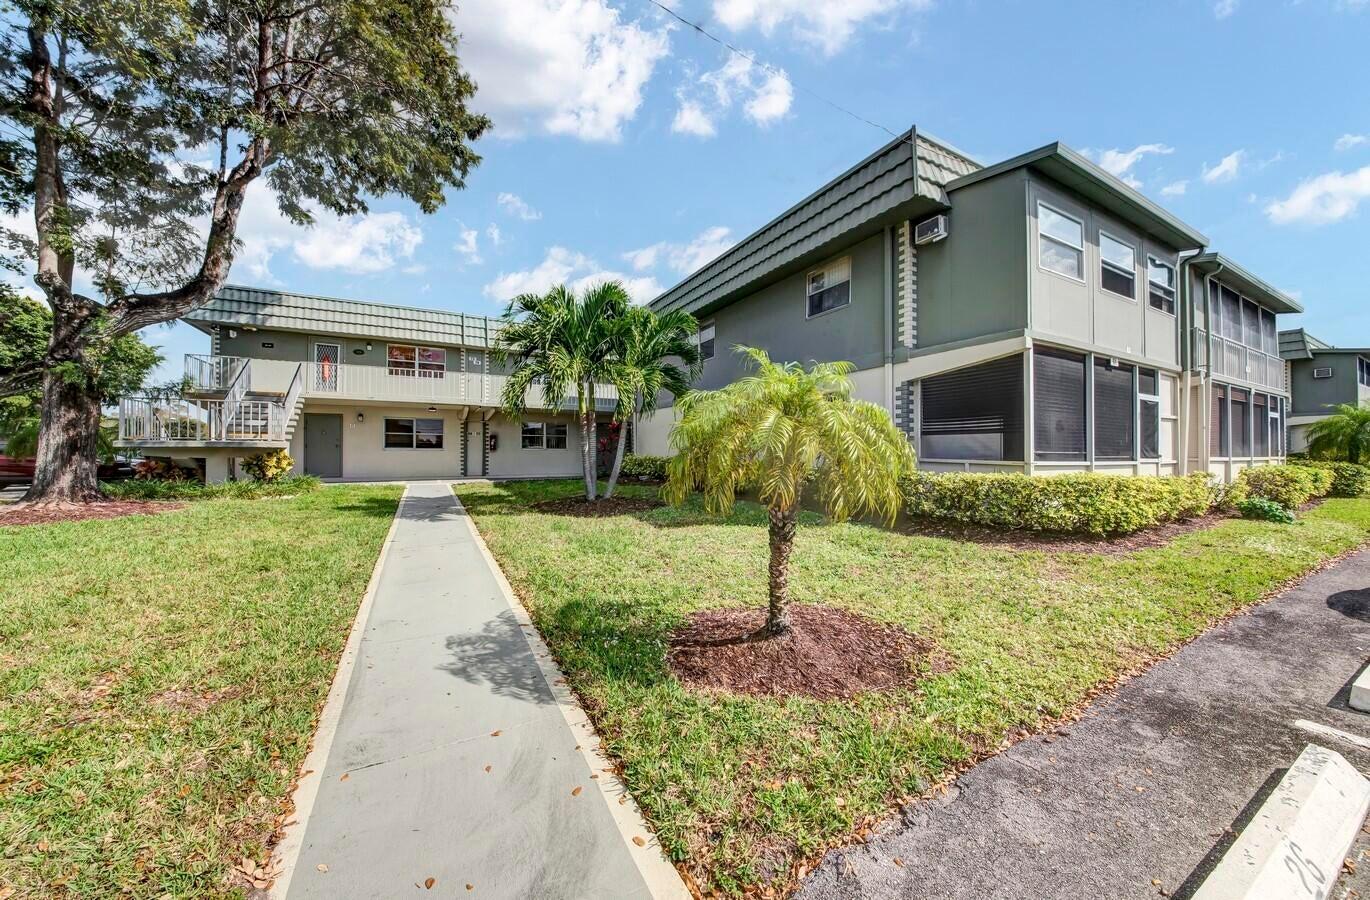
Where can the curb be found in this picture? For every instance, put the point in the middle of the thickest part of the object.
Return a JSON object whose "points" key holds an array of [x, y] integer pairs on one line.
{"points": [[1295, 845], [663, 881], [287, 852], [1360, 691]]}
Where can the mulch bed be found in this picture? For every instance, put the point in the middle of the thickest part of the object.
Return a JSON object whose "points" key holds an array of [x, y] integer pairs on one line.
{"points": [[1061, 543], [828, 654], [596, 509], [44, 514]]}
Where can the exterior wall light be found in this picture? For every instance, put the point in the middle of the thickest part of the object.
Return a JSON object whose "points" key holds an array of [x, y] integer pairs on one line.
{"points": [[361, 417]]}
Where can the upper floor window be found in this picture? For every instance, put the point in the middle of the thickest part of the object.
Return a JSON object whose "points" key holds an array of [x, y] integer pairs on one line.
{"points": [[1061, 242], [1117, 266], [1363, 370], [1160, 278], [406, 359], [706, 341], [830, 286]]}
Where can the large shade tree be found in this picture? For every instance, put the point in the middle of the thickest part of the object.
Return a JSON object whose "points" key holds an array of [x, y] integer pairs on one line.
{"points": [[652, 354], [134, 128], [788, 433], [1343, 435], [562, 344]]}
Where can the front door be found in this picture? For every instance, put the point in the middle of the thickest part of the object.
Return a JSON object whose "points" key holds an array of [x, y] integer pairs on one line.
{"points": [[323, 445], [326, 367]]}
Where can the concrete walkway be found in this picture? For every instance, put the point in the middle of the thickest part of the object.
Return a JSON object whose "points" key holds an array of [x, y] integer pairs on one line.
{"points": [[1140, 797], [452, 759]]}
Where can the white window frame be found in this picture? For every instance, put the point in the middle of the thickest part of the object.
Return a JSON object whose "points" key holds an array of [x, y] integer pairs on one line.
{"points": [[1105, 233], [1173, 288], [540, 428], [1043, 236], [824, 270], [415, 371], [414, 433], [706, 333], [1152, 398]]}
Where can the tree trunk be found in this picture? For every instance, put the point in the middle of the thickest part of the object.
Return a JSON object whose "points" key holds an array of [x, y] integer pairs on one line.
{"points": [[783, 522], [65, 469], [594, 453], [587, 457], [618, 460]]}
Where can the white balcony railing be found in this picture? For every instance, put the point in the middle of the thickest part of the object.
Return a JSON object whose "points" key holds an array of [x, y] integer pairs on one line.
{"points": [[347, 381], [185, 420], [214, 373]]}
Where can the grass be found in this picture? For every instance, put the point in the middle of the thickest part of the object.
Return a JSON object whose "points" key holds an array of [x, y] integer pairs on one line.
{"points": [[159, 678], [137, 489], [743, 790]]}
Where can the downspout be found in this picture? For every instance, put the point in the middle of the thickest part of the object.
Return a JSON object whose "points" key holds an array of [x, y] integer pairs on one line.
{"points": [[1186, 350]]}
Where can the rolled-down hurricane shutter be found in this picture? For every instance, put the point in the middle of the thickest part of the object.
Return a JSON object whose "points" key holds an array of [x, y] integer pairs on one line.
{"points": [[975, 413]]}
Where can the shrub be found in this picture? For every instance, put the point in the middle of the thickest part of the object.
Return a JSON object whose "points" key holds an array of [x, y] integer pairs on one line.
{"points": [[1083, 503], [1288, 485], [269, 466], [158, 469], [193, 490], [648, 468], [1348, 479], [1269, 510]]}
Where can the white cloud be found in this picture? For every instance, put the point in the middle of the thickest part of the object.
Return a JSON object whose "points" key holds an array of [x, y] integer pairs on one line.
{"points": [[572, 268], [691, 118], [493, 233], [1322, 200], [574, 67], [359, 244], [826, 25], [1226, 170], [683, 258], [1224, 8], [1175, 188], [764, 93], [1120, 162], [514, 205], [1350, 141], [467, 245]]}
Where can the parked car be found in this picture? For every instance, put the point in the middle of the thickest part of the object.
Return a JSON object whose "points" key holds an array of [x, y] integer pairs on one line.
{"points": [[14, 470]]}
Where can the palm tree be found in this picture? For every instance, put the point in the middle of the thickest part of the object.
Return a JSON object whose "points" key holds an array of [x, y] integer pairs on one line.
{"points": [[562, 343], [784, 430], [1343, 435], [652, 353]]}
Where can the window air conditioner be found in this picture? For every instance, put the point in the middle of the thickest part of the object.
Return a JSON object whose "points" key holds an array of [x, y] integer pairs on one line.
{"points": [[930, 231]]}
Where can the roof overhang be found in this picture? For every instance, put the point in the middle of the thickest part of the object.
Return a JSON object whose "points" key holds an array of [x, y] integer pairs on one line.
{"points": [[1244, 281], [1072, 170]]}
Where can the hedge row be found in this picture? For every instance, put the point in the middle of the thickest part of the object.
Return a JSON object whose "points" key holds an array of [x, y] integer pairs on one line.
{"points": [[138, 489], [1288, 485], [650, 468], [1081, 503], [1348, 479]]}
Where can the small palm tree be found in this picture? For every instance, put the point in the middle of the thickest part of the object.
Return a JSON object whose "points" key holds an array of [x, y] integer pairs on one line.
{"points": [[1344, 435], [563, 344], [784, 430], [652, 353]]}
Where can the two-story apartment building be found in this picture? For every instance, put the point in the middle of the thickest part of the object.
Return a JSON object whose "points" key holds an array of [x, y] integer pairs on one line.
{"points": [[1037, 315], [1321, 377], [353, 390]]}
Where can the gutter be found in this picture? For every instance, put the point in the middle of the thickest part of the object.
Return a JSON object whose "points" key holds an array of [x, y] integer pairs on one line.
{"points": [[1186, 334]]}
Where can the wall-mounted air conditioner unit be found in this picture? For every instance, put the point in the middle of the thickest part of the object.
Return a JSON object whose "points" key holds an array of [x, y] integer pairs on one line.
{"points": [[1323, 372], [930, 231]]}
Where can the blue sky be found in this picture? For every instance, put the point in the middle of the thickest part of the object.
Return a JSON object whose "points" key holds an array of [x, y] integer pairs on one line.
{"points": [[627, 146]]}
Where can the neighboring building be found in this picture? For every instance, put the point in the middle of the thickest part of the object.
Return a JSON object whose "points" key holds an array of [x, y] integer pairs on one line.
{"points": [[1321, 377], [353, 390], [1037, 315]]}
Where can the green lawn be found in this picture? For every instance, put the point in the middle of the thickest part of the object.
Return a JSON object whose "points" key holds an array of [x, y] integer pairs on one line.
{"points": [[159, 679], [744, 789]]}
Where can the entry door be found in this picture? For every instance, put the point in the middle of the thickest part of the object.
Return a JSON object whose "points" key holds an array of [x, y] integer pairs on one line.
{"points": [[323, 445], [326, 367]]}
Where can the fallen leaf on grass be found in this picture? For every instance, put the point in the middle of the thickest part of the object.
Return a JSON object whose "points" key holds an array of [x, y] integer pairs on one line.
{"points": [[576, 792]]}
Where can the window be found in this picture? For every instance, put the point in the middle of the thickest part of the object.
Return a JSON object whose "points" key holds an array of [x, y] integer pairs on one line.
{"points": [[1149, 413], [411, 361], [1058, 400], [533, 436], [1218, 438], [830, 287], [1363, 370], [1260, 425], [1251, 324], [1241, 422], [1231, 304], [1114, 421], [413, 434], [1061, 243], [706, 341], [1117, 266], [1160, 278], [556, 436], [974, 413], [1270, 339]]}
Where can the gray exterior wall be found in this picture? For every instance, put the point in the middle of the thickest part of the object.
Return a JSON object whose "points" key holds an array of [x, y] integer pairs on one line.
{"points": [[290, 346], [775, 319], [1312, 396], [974, 283]]}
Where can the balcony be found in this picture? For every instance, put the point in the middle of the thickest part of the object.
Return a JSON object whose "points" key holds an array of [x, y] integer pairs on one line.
{"points": [[347, 381], [193, 422]]}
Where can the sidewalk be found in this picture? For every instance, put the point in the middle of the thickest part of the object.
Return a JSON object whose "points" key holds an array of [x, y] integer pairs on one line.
{"points": [[452, 760], [1137, 798]]}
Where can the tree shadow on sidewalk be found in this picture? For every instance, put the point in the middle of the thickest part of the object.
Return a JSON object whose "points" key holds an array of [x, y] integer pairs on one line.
{"points": [[498, 656]]}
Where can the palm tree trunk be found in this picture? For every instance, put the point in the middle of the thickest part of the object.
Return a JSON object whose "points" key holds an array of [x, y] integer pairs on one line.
{"points": [[618, 457], [587, 453], [783, 522]]}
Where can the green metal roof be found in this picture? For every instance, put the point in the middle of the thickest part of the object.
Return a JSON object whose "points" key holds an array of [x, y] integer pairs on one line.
{"points": [[907, 174], [1242, 280], [1071, 169], [239, 306], [1295, 343]]}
